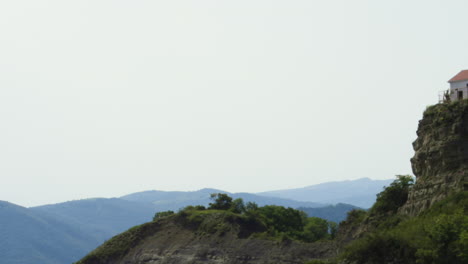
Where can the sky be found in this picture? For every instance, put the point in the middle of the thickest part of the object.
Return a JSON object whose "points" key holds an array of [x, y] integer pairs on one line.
{"points": [[102, 98]]}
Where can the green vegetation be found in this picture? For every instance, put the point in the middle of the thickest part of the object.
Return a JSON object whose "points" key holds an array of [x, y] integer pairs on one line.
{"points": [[163, 214], [445, 113], [393, 197], [439, 235], [270, 221], [221, 201], [223, 215], [355, 217]]}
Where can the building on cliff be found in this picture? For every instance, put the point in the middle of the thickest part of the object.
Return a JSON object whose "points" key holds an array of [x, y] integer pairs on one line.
{"points": [[458, 86]]}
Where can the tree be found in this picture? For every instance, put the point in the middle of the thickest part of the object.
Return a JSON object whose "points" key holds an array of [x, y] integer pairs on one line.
{"points": [[237, 206], [222, 201], [251, 211], [449, 239], [251, 207], [393, 196], [282, 219], [315, 229]]}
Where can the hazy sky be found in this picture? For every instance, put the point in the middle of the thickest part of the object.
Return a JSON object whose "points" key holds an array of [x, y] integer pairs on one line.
{"points": [[102, 98]]}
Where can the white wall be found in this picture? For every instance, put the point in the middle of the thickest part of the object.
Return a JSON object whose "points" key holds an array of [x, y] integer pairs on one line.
{"points": [[455, 87], [454, 93], [458, 85]]}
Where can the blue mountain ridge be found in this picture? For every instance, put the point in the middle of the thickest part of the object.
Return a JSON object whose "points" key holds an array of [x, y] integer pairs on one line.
{"points": [[65, 232]]}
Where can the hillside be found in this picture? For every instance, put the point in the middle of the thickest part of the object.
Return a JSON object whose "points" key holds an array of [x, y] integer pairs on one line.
{"points": [[360, 192], [437, 235], [29, 237], [198, 235]]}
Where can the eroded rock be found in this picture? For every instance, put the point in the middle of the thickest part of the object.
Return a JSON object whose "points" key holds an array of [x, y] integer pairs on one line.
{"points": [[440, 162]]}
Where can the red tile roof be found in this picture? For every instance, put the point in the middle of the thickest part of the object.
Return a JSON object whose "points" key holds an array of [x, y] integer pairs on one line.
{"points": [[461, 76]]}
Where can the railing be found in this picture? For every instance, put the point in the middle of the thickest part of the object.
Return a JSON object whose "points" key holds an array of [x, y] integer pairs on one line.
{"points": [[443, 96]]}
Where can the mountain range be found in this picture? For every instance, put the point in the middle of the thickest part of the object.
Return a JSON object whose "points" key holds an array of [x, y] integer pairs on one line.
{"points": [[360, 192], [163, 201], [64, 232], [28, 237]]}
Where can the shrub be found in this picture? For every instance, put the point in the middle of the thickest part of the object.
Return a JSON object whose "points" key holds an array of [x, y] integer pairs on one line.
{"points": [[315, 229], [393, 196], [439, 235], [354, 216], [283, 219], [163, 214], [380, 247]]}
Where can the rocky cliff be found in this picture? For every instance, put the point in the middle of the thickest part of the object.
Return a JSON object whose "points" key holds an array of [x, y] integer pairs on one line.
{"points": [[440, 162], [211, 238]]}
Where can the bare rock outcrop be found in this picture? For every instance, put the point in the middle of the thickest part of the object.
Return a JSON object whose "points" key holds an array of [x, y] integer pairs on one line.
{"points": [[440, 162]]}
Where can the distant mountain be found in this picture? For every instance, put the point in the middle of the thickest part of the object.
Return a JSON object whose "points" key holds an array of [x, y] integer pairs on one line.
{"points": [[265, 200], [100, 217], [64, 232], [163, 201], [173, 200], [361, 192], [335, 213], [29, 237]]}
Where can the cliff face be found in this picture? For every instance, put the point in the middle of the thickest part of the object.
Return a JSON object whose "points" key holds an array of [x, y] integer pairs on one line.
{"points": [[212, 239], [440, 162]]}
